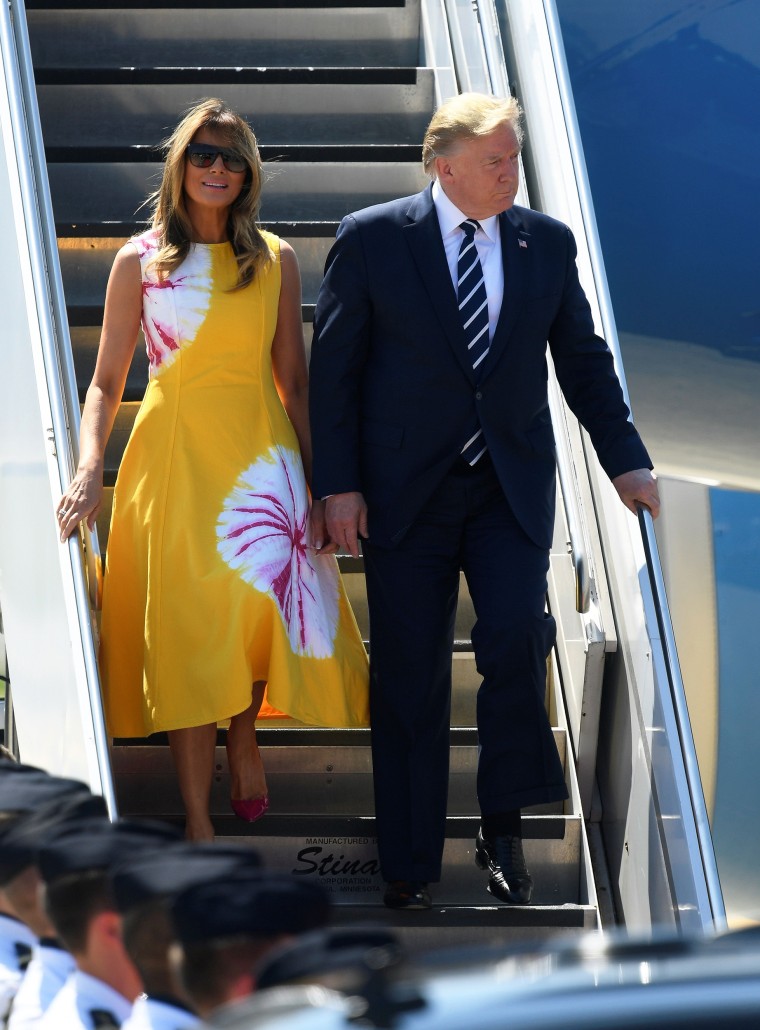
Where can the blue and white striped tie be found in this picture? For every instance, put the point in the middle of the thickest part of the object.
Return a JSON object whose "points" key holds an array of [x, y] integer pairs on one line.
{"points": [[473, 308]]}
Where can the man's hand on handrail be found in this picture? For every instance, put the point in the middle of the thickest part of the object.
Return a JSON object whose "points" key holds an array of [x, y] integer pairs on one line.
{"points": [[638, 487]]}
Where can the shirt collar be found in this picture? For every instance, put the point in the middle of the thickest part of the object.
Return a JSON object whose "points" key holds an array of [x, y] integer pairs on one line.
{"points": [[91, 992], [450, 217]]}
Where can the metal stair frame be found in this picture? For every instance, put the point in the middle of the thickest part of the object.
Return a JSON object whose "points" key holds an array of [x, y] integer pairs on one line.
{"points": [[647, 803]]}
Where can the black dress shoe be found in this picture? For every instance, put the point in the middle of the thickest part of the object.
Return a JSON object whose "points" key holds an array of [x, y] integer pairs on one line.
{"points": [[409, 894], [509, 879]]}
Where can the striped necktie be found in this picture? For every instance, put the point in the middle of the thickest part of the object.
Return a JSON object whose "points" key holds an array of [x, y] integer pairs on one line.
{"points": [[473, 308]]}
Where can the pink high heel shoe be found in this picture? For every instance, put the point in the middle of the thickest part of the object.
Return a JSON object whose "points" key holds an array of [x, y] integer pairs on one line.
{"points": [[250, 809]]}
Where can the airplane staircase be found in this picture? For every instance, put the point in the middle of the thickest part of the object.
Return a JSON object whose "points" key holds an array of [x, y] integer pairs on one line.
{"points": [[339, 96], [339, 101]]}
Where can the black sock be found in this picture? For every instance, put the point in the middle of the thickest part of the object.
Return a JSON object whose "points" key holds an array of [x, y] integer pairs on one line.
{"points": [[502, 824]]}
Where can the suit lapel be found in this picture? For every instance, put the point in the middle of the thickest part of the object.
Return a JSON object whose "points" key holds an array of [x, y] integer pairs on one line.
{"points": [[514, 255], [423, 234]]}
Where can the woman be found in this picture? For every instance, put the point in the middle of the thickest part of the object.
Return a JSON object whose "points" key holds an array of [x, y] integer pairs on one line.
{"points": [[212, 587]]}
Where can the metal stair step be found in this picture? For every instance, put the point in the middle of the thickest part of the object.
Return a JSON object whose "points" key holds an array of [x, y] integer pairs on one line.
{"points": [[85, 326], [276, 33], [280, 113], [84, 342], [306, 778], [69, 231], [189, 5], [484, 924], [465, 617], [271, 153], [91, 315], [341, 855], [290, 733], [294, 190], [86, 264], [148, 75]]}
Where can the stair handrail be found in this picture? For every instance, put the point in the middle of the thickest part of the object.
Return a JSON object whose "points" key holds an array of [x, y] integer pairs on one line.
{"points": [[56, 350], [654, 568], [683, 720]]}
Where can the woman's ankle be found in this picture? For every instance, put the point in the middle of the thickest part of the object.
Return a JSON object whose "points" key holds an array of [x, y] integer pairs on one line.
{"points": [[199, 829]]}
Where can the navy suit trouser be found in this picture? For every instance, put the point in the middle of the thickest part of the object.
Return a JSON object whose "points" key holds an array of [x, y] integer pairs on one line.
{"points": [[412, 591]]}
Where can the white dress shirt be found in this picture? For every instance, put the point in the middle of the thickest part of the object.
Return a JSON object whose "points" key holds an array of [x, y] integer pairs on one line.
{"points": [[47, 973], [151, 1014], [79, 1000], [487, 244], [12, 932]]}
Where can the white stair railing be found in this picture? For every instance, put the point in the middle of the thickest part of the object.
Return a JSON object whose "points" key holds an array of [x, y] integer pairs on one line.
{"points": [[44, 593]]}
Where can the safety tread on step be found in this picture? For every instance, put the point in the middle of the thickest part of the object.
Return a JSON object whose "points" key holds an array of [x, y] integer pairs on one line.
{"points": [[125, 230], [109, 5], [275, 153], [275, 75]]}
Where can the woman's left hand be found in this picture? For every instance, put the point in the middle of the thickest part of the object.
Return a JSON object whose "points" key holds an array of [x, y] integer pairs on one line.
{"points": [[81, 502], [318, 535]]}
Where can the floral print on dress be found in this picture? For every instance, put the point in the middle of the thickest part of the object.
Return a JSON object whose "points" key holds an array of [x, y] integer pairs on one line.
{"points": [[170, 322], [262, 533]]}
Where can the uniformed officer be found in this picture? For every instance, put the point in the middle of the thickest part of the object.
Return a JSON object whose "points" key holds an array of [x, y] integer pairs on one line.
{"points": [[51, 964], [50, 967], [23, 788], [325, 968], [74, 865], [142, 889], [226, 927], [336, 957], [16, 944]]}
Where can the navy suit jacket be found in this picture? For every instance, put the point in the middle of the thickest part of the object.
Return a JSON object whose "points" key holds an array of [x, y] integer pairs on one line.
{"points": [[393, 392]]}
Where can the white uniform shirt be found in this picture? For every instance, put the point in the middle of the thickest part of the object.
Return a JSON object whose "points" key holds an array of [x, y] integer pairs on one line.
{"points": [[47, 973], [15, 938], [150, 1014], [85, 1003]]}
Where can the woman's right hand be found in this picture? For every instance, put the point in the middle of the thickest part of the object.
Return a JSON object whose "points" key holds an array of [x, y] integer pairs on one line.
{"points": [[121, 323], [81, 501]]}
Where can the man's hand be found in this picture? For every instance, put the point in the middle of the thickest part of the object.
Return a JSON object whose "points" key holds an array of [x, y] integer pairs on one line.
{"points": [[638, 487], [346, 518]]}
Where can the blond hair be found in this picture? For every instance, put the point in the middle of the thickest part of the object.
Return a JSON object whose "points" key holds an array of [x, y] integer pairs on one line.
{"points": [[169, 211], [465, 117]]}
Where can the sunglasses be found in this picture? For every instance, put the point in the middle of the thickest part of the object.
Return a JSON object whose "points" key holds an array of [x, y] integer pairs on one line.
{"points": [[202, 156]]}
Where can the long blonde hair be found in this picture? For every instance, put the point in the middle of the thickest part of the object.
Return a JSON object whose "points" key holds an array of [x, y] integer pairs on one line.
{"points": [[169, 212]]}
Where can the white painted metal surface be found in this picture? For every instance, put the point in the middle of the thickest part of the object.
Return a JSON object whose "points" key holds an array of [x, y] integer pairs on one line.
{"points": [[43, 592]]}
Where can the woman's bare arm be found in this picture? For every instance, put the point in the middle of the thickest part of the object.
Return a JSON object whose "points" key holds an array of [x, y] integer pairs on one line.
{"points": [[121, 323]]}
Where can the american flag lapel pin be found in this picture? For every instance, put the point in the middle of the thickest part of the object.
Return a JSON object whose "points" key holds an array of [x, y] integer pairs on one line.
{"points": [[522, 243]]}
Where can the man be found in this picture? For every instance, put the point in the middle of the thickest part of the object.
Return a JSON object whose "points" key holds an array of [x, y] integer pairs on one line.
{"points": [[74, 864], [51, 964], [16, 939], [142, 889], [225, 928], [24, 792], [433, 441], [341, 962], [16, 944]]}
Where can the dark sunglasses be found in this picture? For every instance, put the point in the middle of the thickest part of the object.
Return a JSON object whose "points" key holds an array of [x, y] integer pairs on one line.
{"points": [[202, 156]]}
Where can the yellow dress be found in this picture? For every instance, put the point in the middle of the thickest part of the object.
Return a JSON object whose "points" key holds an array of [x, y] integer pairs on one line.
{"points": [[210, 583]]}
